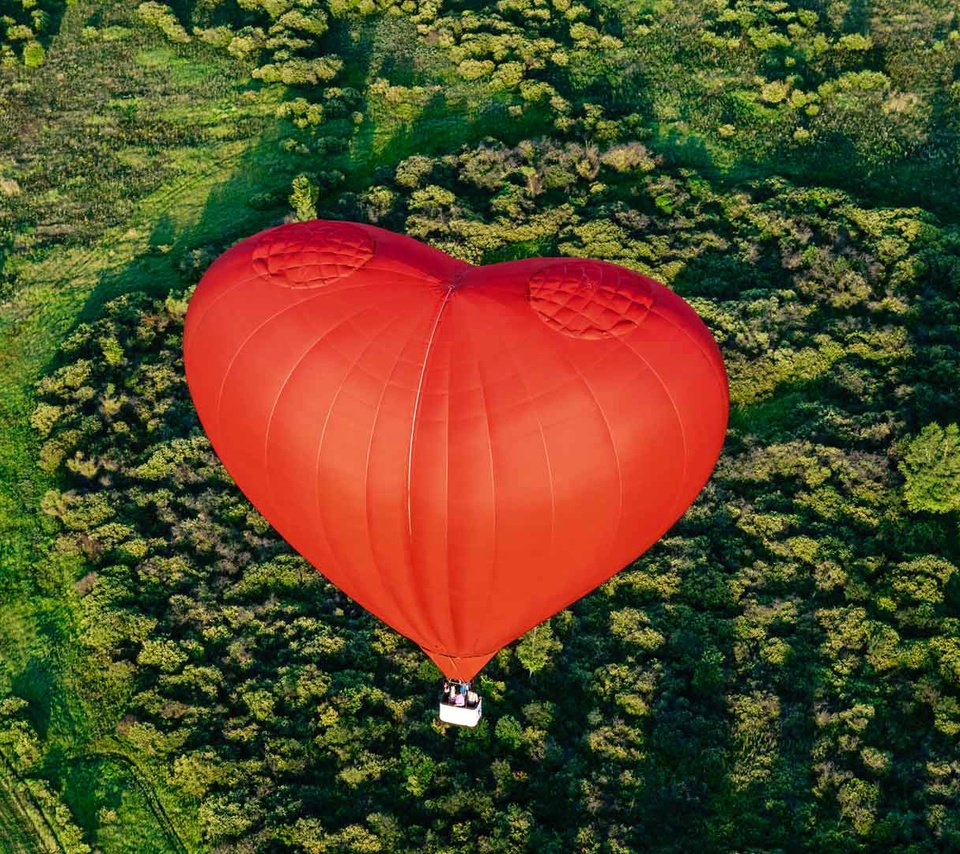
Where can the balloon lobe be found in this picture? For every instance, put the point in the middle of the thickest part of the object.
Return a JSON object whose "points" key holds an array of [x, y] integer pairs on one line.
{"points": [[310, 255], [585, 299]]}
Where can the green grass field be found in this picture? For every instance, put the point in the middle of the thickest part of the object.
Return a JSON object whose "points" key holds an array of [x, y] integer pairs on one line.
{"points": [[198, 198], [24, 829]]}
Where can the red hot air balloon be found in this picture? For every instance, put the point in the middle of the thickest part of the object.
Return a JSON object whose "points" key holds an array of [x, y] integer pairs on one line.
{"points": [[463, 450]]}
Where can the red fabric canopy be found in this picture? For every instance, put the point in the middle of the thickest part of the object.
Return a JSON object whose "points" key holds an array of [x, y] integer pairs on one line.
{"points": [[463, 450]]}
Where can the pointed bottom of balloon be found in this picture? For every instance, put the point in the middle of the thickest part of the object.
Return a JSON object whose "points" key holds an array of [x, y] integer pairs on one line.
{"points": [[463, 667]]}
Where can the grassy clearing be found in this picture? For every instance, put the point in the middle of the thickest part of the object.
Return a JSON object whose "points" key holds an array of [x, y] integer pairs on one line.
{"points": [[23, 830], [39, 650], [191, 196], [111, 796]]}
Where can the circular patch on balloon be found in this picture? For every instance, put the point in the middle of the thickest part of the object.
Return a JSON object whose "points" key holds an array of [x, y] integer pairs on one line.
{"points": [[585, 299], [312, 254]]}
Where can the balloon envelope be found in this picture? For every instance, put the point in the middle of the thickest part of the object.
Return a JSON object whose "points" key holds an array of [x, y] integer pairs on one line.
{"points": [[463, 450]]}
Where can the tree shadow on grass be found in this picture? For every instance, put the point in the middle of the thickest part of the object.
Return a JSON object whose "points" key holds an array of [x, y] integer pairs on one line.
{"points": [[36, 683], [255, 195], [54, 11]]}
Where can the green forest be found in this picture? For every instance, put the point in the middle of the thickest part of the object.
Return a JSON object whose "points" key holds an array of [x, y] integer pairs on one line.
{"points": [[780, 673]]}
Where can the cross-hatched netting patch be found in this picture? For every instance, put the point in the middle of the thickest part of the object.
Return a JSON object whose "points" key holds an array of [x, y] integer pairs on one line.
{"points": [[312, 254], [587, 299]]}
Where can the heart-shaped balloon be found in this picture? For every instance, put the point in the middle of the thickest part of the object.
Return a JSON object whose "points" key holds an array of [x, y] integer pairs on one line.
{"points": [[463, 450]]}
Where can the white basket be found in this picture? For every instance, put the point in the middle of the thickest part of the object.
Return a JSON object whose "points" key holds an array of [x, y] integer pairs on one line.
{"points": [[461, 715]]}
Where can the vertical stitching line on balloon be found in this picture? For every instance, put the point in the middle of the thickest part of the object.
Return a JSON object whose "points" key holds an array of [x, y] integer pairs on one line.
{"points": [[710, 358], [546, 455], [294, 369], [623, 341], [236, 354], [416, 624], [446, 515], [606, 424], [676, 411], [493, 477], [705, 351], [316, 469], [413, 428]]}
